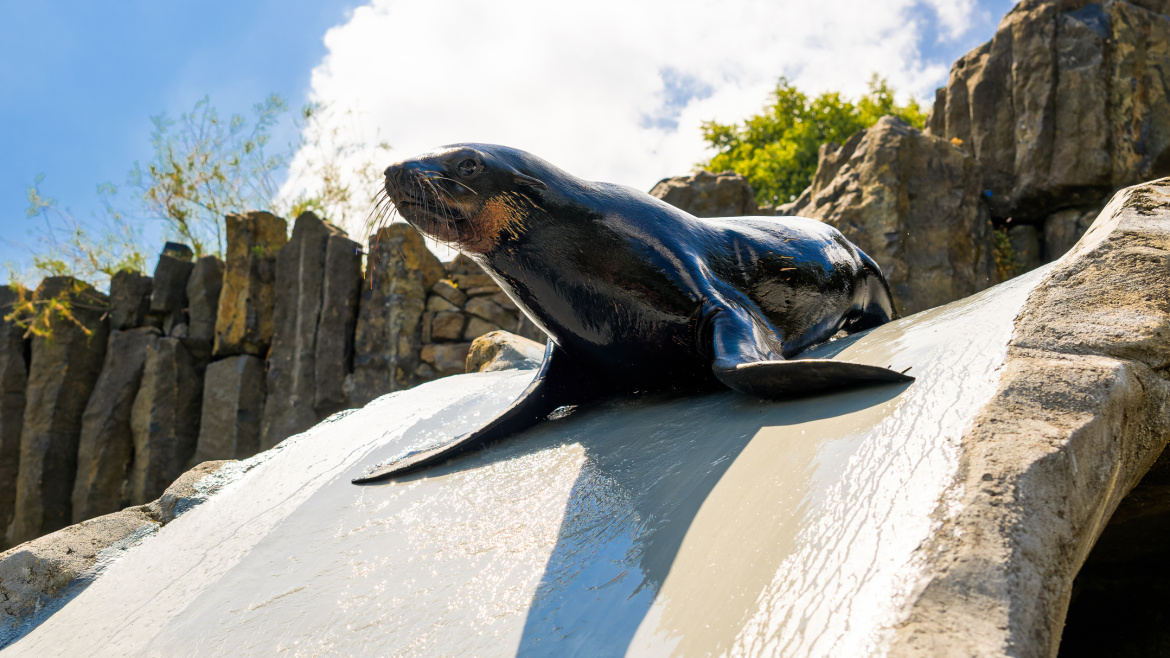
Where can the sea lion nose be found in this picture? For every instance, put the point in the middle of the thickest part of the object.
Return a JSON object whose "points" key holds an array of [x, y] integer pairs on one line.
{"points": [[393, 173]]}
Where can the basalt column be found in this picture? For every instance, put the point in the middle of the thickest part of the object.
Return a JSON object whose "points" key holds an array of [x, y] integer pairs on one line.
{"points": [[106, 449], [164, 420], [14, 353], [233, 401], [62, 374], [317, 277], [244, 322]]}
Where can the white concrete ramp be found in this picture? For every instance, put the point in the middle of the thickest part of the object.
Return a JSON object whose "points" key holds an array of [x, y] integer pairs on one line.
{"points": [[657, 526]]}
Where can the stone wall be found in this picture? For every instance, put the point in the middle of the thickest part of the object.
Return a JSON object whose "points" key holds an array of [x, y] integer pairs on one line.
{"points": [[207, 359]]}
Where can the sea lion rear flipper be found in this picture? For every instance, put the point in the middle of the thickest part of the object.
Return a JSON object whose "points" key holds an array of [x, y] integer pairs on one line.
{"points": [[800, 377], [747, 360], [556, 384]]}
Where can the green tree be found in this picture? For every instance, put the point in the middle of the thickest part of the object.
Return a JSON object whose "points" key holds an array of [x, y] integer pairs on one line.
{"points": [[776, 150]]}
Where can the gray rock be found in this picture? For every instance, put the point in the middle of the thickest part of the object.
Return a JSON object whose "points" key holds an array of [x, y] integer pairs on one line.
{"points": [[446, 358], [39, 576], [492, 312], [317, 278], [168, 297], [501, 350], [1025, 241], [203, 289], [164, 419], [233, 405], [704, 194], [130, 294], [1067, 101], [910, 201], [437, 304], [477, 327], [446, 289], [1080, 415], [1061, 231], [106, 447], [338, 323], [243, 324], [399, 273], [300, 278], [14, 355], [178, 250], [61, 377], [447, 326]]}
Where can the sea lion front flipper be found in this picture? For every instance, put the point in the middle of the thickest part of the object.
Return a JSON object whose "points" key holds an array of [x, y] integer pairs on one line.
{"points": [[556, 384], [747, 359]]}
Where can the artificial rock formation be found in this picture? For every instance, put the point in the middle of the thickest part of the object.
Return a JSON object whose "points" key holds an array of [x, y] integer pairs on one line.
{"points": [[203, 289], [130, 296], [243, 324], [1081, 413], [14, 355], [910, 201], [164, 419], [399, 273], [233, 406], [946, 517], [1067, 102], [318, 274], [106, 446], [705, 194], [461, 308], [168, 297], [62, 374], [38, 576]]}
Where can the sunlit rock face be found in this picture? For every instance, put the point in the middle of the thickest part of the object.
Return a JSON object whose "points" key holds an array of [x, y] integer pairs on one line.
{"points": [[943, 517]]}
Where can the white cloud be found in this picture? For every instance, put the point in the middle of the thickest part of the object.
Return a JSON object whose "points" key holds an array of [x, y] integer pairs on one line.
{"points": [[608, 90]]}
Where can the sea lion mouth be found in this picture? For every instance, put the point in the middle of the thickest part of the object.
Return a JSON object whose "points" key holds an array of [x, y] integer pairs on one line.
{"points": [[421, 198]]}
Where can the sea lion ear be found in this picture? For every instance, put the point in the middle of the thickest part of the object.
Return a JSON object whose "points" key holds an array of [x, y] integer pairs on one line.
{"points": [[528, 181]]}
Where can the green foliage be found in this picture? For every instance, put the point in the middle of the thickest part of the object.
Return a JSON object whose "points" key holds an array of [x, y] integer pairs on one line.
{"points": [[1007, 265], [205, 167], [39, 317], [69, 248], [776, 150], [344, 172]]}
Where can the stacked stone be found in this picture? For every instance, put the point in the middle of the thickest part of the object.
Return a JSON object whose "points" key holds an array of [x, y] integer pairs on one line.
{"points": [[240, 333], [461, 307], [400, 271], [318, 276]]}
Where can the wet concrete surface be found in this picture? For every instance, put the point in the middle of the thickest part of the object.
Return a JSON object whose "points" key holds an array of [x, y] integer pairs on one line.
{"points": [[659, 525]]}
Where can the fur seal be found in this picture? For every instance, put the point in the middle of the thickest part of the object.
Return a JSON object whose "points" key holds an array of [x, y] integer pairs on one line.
{"points": [[635, 294]]}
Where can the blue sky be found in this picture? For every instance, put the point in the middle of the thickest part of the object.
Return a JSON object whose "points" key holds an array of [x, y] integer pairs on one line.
{"points": [[79, 80]]}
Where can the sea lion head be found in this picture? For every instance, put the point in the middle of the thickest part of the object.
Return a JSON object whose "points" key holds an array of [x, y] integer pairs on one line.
{"points": [[470, 195]]}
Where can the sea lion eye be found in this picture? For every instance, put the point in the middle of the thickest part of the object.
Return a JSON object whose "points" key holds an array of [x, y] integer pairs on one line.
{"points": [[467, 167]]}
